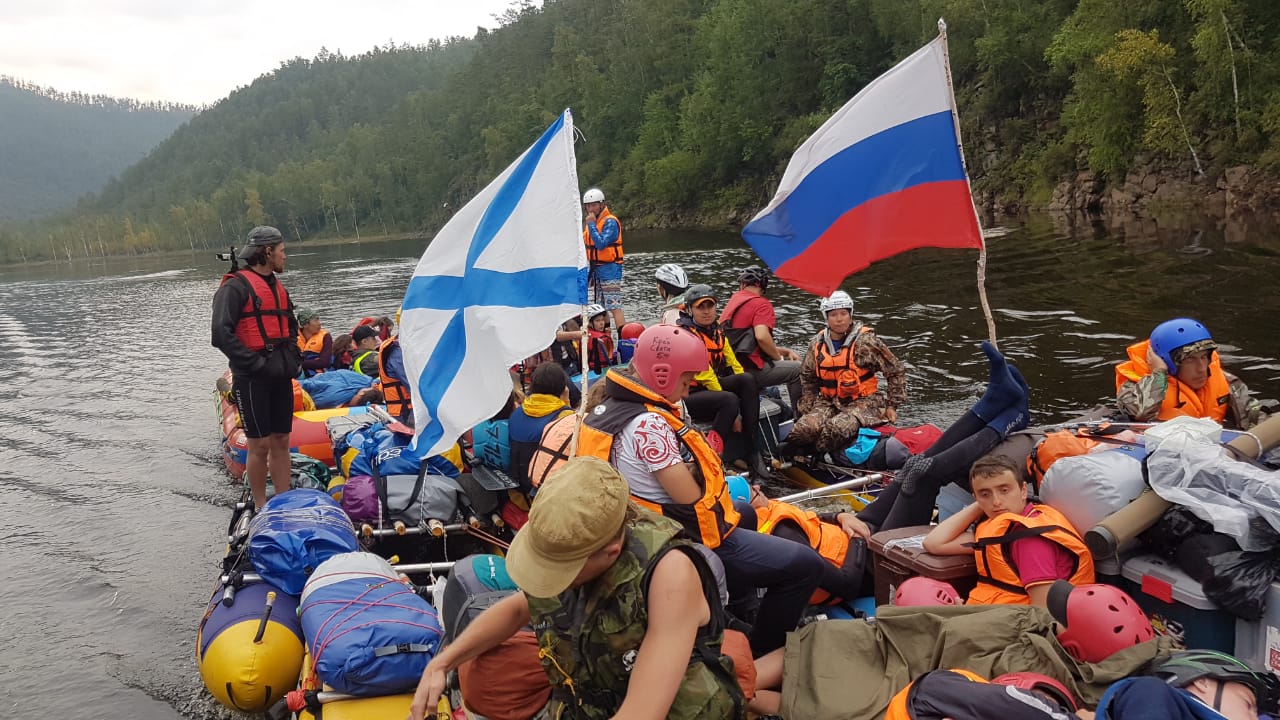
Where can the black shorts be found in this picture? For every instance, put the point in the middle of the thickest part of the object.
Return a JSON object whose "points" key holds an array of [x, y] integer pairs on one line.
{"points": [[265, 405]]}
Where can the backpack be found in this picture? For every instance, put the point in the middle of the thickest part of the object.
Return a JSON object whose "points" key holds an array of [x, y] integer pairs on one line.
{"points": [[491, 444], [368, 632], [1053, 447], [742, 340], [294, 533], [475, 584]]}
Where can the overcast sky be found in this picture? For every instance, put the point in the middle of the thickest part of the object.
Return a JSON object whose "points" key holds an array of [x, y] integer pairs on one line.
{"points": [[198, 51]]}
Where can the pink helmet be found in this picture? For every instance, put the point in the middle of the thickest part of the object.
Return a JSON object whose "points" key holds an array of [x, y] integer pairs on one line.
{"points": [[664, 352], [922, 591], [1043, 683], [1097, 620]]}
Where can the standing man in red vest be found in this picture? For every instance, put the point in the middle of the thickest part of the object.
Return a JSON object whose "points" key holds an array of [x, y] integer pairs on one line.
{"points": [[254, 326]]}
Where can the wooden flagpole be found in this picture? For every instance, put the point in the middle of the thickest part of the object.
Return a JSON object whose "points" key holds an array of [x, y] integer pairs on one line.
{"points": [[982, 251], [586, 371]]}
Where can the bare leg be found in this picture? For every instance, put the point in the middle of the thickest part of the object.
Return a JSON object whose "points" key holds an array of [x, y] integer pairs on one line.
{"points": [[280, 463], [256, 468], [618, 320], [766, 702], [768, 699]]}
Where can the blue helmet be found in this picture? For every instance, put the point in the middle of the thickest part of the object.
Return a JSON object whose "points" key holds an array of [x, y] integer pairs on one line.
{"points": [[1171, 335], [739, 488]]}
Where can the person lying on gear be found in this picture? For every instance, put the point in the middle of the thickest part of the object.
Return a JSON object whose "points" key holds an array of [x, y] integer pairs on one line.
{"points": [[1176, 372], [1004, 408], [1194, 685], [855, 669], [958, 694]]}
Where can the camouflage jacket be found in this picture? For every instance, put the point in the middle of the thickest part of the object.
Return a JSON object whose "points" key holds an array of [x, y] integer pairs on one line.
{"points": [[1141, 400], [869, 353]]}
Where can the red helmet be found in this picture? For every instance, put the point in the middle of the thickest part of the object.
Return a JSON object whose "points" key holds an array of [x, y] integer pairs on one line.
{"points": [[922, 591], [664, 352], [631, 331], [1098, 620], [1043, 683]]}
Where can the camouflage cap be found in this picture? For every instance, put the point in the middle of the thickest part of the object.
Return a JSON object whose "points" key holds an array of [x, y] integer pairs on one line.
{"points": [[1190, 349]]}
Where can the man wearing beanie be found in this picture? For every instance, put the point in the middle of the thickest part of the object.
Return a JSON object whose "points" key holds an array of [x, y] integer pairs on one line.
{"points": [[613, 608]]}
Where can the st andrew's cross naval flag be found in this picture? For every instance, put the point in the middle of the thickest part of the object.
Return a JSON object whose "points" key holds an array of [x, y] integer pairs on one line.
{"points": [[882, 176], [492, 289]]}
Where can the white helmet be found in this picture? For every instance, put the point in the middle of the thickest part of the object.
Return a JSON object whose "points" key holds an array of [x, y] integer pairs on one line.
{"points": [[595, 309], [839, 300], [673, 275], [592, 196]]}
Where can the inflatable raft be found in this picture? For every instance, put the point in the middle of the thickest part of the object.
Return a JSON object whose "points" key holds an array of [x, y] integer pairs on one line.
{"points": [[310, 435]]}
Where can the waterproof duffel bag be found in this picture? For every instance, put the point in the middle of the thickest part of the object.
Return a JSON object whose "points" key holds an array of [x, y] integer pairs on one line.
{"points": [[381, 500], [1087, 488], [368, 632], [294, 533]]}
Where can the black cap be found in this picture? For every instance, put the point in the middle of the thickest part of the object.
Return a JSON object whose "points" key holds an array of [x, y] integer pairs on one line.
{"points": [[363, 332], [696, 293], [261, 236]]}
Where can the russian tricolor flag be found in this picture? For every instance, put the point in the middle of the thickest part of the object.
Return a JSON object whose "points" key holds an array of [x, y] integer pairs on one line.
{"points": [[881, 176]]}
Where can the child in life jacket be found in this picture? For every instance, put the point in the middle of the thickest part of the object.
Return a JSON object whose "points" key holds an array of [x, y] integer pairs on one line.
{"points": [[600, 352], [1020, 547]]}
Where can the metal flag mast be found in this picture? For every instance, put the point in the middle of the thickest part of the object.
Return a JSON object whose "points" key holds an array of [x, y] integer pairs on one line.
{"points": [[982, 252]]}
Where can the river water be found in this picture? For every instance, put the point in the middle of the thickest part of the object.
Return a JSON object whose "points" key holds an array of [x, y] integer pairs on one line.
{"points": [[115, 501]]}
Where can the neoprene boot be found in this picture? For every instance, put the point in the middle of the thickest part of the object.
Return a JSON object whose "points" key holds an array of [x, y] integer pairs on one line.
{"points": [[912, 470], [1003, 389], [1016, 416], [759, 466]]}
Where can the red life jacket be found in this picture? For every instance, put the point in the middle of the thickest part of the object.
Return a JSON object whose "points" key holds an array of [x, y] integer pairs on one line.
{"points": [[264, 319]]}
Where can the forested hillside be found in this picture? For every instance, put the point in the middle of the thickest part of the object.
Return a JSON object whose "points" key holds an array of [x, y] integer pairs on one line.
{"points": [[691, 108], [55, 146]]}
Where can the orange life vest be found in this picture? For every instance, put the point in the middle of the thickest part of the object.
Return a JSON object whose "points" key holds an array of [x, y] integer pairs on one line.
{"points": [[395, 394], [1053, 447], [829, 540], [299, 397], [899, 708], [553, 449], [998, 581], [315, 344], [838, 376], [264, 319], [611, 254], [714, 340], [1210, 401], [709, 519]]}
